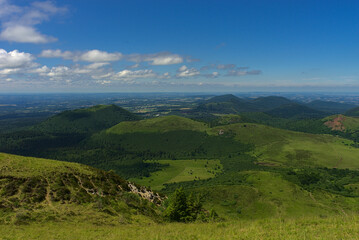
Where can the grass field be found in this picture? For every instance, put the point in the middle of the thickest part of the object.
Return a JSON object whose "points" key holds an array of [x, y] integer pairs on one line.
{"points": [[266, 194], [302, 228], [180, 171], [283, 147]]}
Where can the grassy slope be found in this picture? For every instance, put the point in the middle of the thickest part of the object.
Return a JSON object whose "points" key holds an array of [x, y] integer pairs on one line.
{"points": [[294, 148], [33, 189], [180, 171], [19, 166], [263, 194], [303, 228]]}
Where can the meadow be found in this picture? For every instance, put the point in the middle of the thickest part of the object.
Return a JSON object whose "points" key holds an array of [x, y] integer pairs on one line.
{"points": [[180, 171], [335, 227], [283, 147]]}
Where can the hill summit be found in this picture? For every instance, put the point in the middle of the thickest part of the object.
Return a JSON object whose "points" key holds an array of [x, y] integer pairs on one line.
{"points": [[87, 120]]}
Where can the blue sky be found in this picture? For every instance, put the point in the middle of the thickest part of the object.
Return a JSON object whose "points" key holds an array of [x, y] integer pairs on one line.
{"points": [[208, 46]]}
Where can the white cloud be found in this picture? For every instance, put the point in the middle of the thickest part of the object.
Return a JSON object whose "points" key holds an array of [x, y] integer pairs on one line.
{"points": [[102, 76], [103, 82], [129, 75], [15, 59], [7, 9], [163, 58], [183, 68], [98, 56], [42, 70], [18, 23], [166, 75], [56, 54], [24, 34], [166, 60], [59, 71], [8, 71], [96, 65], [184, 71], [88, 56]]}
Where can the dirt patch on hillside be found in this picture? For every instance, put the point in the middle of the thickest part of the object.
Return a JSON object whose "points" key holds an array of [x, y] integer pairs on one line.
{"points": [[336, 124]]}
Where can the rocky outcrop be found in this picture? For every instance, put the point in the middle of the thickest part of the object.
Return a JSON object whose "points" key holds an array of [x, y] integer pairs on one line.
{"points": [[146, 194]]}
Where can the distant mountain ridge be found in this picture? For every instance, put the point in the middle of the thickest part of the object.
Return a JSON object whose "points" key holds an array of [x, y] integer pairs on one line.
{"points": [[226, 104], [273, 105], [329, 106]]}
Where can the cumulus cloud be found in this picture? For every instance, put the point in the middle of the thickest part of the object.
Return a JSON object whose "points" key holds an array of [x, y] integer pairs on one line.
{"points": [[24, 34], [184, 71], [41, 70], [56, 54], [8, 71], [163, 58], [15, 59], [97, 65], [88, 56], [155, 59], [130, 75], [18, 23], [98, 56], [59, 71]]}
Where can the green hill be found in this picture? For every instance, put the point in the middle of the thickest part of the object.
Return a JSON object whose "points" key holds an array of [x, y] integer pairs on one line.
{"points": [[87, 120], [329, 106], [225, 98], [160, 124], [33, 189], [226, 104], [268, 103], [66, 129], [126, 145], [289, 148]]}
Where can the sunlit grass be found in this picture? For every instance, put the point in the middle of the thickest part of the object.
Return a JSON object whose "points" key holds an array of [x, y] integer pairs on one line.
{"points": [[302, 228]]}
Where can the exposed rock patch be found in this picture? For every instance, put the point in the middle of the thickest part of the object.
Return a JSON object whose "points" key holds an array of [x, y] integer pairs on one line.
{"points": [[336, 124]]}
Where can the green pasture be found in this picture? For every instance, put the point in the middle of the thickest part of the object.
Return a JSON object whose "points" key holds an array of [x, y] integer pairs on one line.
{"points": [[336, 227], [284, 147], [180, 171]]}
